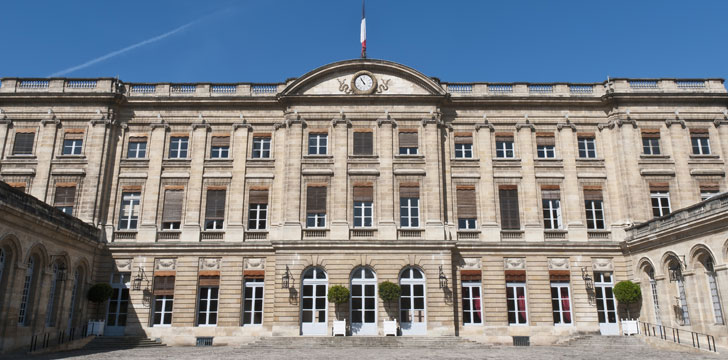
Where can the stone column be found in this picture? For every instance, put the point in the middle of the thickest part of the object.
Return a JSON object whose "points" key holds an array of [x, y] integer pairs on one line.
{"points": [[193, 202], [431, 189], [278, 190], [235, 229], [148, 229], [292, 180], [683, 194], [487, 190], [44, 152], [339, 190], [533, 228], [96, 149], [614, 198], [627, 136], [573, 220], [114, 199], [387, 226]]}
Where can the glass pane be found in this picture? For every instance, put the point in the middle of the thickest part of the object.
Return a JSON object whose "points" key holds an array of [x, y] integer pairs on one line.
{"points": [[307, 290], [246, 318], [356, 303], [307, 316], [466, 318], [406, 290], [320, 303], [419, 290], [258, 306], [320, 290], [248, 304], [307, 303], [356, 290], [369, 303], [322, 316], [369, 290], [369, 317], [356, 316], [320, 274], [258, 318], [419, 303]]}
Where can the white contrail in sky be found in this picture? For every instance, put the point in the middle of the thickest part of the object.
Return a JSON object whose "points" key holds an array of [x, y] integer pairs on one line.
{"points": [[131, 47]]}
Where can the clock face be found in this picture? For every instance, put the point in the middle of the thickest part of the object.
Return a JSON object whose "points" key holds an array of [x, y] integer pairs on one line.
{"points": [[363, 82]]}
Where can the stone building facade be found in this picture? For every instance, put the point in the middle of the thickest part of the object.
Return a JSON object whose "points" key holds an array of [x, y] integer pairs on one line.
{"points": [[501, 209]]}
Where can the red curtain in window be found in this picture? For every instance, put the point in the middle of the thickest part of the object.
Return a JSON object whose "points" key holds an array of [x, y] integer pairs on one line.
{"points": [[566, 307], [522, 306]]}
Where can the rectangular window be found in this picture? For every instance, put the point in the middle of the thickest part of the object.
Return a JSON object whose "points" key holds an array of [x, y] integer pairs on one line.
{"points": [[129, 213], [651, 141], [318, 143], [172, 212], [253, 301], [510, 215], [207, 301], [467, 212], [463, 145], [257, 209], [660, 197], [316, 206], [363, 142], [708, 190], [700, 141], [261, 146], [163, 300], [545, 145], [587, 146], [363, 205], [517, 304], [215, 209], [137, 148], [409, 205], [220, 147], [472, 303], [73, 143], [561, 301], [504, 148], [408, 142], [23, 144], [594, 206], [551, 207], [65, 197], [178, 147]]}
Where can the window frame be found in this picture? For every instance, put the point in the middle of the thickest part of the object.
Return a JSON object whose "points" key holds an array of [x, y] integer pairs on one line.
{"points": [[559, 300], [472, 301], [133, 196], [363, 206], [262, 152], [592, 220], [318, 221], [14, 150], [589, 147], [258, 209], [413, 212], [75, 145], [257, 286], [137, 150], [502, 149], [207, 311], [554, 220], [318, 146], [516, 307], [178, 150], [463, 151], [546, 151], [164, 300], [651, 143], [220, 152], [660, 206], [700, 144]]}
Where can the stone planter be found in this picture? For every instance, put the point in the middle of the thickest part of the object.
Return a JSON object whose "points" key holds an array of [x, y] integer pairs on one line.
{"points": [[339, 328], [630, 327], [389, 327], [95, 328]]}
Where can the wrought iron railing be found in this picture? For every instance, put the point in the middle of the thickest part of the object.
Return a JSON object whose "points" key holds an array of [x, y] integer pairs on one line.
{"points": [[669, 333], [54, 338]]}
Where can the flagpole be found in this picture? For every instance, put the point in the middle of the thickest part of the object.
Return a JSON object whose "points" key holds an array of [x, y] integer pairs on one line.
{"points": [[363, 33]]}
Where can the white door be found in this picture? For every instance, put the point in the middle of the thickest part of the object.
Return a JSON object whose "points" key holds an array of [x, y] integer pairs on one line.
{"points": [[363, 304], [314, 305], [606, 304], [118, 305], [412, 308]]}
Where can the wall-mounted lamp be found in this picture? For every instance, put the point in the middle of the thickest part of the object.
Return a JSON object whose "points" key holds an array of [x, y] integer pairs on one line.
{"points": [[140, 277], [286, 279], [443, 279]]}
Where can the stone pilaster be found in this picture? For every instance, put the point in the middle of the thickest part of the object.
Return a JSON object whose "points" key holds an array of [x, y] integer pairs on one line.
{"points": [[431, 190], [292, 180], [97, 145], [387, 225], [235, 229], [44, 152], [339, 189], [487, 192], [4, 125], [570, 198], [533, 228], [193, 209], [683, 193], [148, 228]]}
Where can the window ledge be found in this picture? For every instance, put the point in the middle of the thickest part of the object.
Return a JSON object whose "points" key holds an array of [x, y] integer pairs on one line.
{"points": [[470, 159], [136, 159], [590, 159], [645, 156], [178, 159], [707, 156], [68, 156], [513, 159], [352, 156], [21, 156], [404, 156], [548, 159], [268, 159], [219, 159], [326, 156]]}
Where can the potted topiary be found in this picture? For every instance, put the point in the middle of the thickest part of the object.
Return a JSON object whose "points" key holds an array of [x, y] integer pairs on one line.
{"points": [[628, 293], [98, 294], [390, 292], [339, 295]]}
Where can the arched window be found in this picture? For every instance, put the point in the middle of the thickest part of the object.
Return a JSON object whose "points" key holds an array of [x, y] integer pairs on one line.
{"points": [[713, 288], [674, 267], [413, 314], [53, 295], [2, 264], [363, 302], [27, 294], [653, 291], [74, 295]]}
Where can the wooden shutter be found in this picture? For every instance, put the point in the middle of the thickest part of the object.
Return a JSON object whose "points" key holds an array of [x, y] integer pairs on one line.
{"points": [[164, 285], [503, 136], [408, 138], [254, 274], [470, 275], [258, 196], [651, 133], [586, 135], [515, 275], [559, 275], [409, 190], [550, 192], [137, 139], [173, 205], [215, 207], [592, 192], [363, 192], [316, 199], [510, 215], [73, 134], [23, 143], [710, 187], [363, 142], [65, 194], [545, 138], [220, 140], [703, 132], [209, 280], [660, 186], [463, 138], [466, 202]]}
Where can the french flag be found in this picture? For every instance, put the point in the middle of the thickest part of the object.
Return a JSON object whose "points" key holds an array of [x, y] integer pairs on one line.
{"points": [[363, 32]]}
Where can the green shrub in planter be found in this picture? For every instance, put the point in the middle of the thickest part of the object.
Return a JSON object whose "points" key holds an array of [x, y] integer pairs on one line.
{"points": [[338, 294], [627, 293], [98, 294], [389, 291]]}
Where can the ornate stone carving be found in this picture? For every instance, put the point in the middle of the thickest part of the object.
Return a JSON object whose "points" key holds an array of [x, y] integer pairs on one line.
{"points": [[602, 264], [558, 263], [471, 264], [165, 264], [514, 263], [254, 264], [123, 264], [383, 85], [210, 263], [344, 86]]}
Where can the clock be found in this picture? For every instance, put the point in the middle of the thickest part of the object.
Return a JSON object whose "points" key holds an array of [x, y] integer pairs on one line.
{"points": [[364, 82]]}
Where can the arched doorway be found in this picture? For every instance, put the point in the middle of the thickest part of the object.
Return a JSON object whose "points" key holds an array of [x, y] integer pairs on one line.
{"points": [[363, 302], [412, 307], [314, 304]]}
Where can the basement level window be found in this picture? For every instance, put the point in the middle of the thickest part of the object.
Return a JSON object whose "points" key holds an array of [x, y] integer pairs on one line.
{"points": [[521, 341], [204, 341]]}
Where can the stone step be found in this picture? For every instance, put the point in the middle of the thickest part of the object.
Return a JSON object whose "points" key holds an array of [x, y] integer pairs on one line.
{"points": [[372, 341], [121, 343]]}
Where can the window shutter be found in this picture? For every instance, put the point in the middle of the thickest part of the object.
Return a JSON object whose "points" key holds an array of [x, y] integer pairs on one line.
{"points": [[209, 280], [510, 216], [586, 135], [699, 132], [173, 205], [23, 143], [137, 139], [592, 193], [215, 208], [262, 135], [316, 199], [545, 138], [65, 195], [409, 190], [408, 138], [466, 202], [73, 134], [463, 138], [515, 275], [503, 136], [651, 133], [550, 192], [710, 187], [220, 141], [363, 192], [470, 275], [559, 275], [660, 186], [363, 143], [258, 196], [164, 285]]}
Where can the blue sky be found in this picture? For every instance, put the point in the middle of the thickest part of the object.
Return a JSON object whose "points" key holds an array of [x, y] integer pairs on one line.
{"points": [[455, 40]]}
